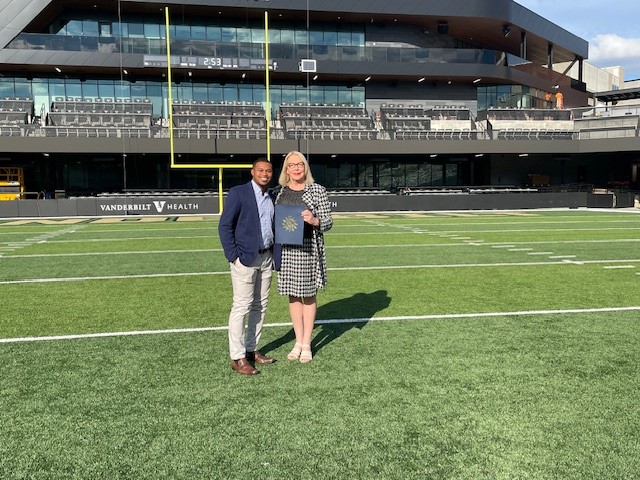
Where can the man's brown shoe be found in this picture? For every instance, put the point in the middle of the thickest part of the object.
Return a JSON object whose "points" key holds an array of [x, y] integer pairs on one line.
{"points": [[243, 367], [259, 358]]}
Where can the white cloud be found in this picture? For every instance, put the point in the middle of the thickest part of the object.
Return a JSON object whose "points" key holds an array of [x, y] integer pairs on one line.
{"points": [[612, 47]]}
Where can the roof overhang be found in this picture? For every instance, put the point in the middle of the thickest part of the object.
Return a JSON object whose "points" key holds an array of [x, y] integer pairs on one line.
{"points": [[618, 95]]}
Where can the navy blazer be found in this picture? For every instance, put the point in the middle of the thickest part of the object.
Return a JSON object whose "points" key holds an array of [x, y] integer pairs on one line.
{"points": [[239, 226]]}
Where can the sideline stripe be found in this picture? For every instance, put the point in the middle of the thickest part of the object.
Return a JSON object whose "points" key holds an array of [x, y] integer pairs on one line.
{"points": [[327, 322]]}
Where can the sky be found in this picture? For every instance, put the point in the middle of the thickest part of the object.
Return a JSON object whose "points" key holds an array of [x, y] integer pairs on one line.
{"points": [[612, 29]]}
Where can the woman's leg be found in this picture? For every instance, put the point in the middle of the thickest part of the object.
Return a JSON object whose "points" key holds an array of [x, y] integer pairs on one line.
{"points": [[296, 314], [309, 309]]}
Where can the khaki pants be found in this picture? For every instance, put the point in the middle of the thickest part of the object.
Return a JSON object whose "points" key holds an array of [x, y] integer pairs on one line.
{"points": [[250, 296]]}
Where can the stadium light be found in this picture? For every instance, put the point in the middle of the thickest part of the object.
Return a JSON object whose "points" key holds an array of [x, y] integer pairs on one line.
{"points": [[420, 80]]}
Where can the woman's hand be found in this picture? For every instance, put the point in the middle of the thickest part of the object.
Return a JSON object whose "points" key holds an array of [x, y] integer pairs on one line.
{"points": [[308, 217]]}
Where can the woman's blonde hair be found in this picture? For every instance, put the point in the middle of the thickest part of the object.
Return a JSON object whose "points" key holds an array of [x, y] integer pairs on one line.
{"points": [[284, 178]]}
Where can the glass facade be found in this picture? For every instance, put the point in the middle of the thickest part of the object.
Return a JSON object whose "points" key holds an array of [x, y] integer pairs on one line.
{"points": [[212, 31], [510, 96], [44, 91]]}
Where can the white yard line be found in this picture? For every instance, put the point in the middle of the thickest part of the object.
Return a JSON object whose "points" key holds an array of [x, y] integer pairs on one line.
{"points": [[330, 247], [130, 252], [335, 269], [329, 322]]}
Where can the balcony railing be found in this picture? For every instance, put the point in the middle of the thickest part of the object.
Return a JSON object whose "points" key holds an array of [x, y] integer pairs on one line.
{"points": [[150, 46]]}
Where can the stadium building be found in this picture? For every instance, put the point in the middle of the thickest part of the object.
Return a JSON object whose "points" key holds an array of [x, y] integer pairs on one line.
{"points": [[382, 96]]}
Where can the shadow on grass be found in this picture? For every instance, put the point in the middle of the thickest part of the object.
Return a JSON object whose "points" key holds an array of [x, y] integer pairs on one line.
{"points": [[340, 317]]}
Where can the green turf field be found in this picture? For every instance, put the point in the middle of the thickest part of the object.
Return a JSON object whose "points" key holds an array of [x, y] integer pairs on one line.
{"points": [[479, 345]]}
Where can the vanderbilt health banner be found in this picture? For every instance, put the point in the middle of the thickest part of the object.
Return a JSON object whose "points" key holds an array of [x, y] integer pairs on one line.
{"points": [[155, 205]]}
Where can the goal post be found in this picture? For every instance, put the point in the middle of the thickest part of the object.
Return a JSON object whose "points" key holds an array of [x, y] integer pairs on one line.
{"points": [[219, 166]]}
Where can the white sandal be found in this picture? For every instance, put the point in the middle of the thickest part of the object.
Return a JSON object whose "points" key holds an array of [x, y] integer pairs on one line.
{"points": [[295, 352], [306, 355]]}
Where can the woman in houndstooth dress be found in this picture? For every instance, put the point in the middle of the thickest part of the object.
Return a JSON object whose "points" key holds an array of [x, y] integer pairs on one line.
{"points": [[303, 268]]}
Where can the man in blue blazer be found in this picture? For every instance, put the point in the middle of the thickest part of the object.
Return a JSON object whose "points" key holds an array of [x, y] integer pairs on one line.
{"points": [[246, 234]]}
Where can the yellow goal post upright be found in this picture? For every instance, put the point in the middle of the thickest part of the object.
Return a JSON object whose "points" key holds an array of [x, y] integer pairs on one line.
{"points": [[220, 166]]}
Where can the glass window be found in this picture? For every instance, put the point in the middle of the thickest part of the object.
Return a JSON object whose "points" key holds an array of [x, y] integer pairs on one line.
{"points": [[358, 96], [344, 95], [105, 29], [183, 92], [214, 33], [40, 92], [437, 174], [331, 95], [331, 38], [302, 94], [344, 38], [302, 37], [316, 37], [274, 36], [357, 38], [215, 92], [56, 88], [412, 175], [287, 36], [198, 32], [243, 35], [200, 92], [316, 94], [245, 93], [154, 93], [122, 90], [120, 29], [89, 89], [288, 94], [260, 94], [136, 30], [90, 28], [228, 34], [23, 88], [138, 90], [106, 89], [183, 32], [74, 27], [451, 174], [482, 99], [257, 35], [151, 30], [230, 93], [74, 88]]}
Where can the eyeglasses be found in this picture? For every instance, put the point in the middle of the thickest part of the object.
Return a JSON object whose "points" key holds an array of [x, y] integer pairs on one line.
{"points": [[296, 165]]}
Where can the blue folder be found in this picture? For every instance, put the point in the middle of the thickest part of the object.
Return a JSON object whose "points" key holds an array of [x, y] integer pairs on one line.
{"points": [[289, 226]]}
